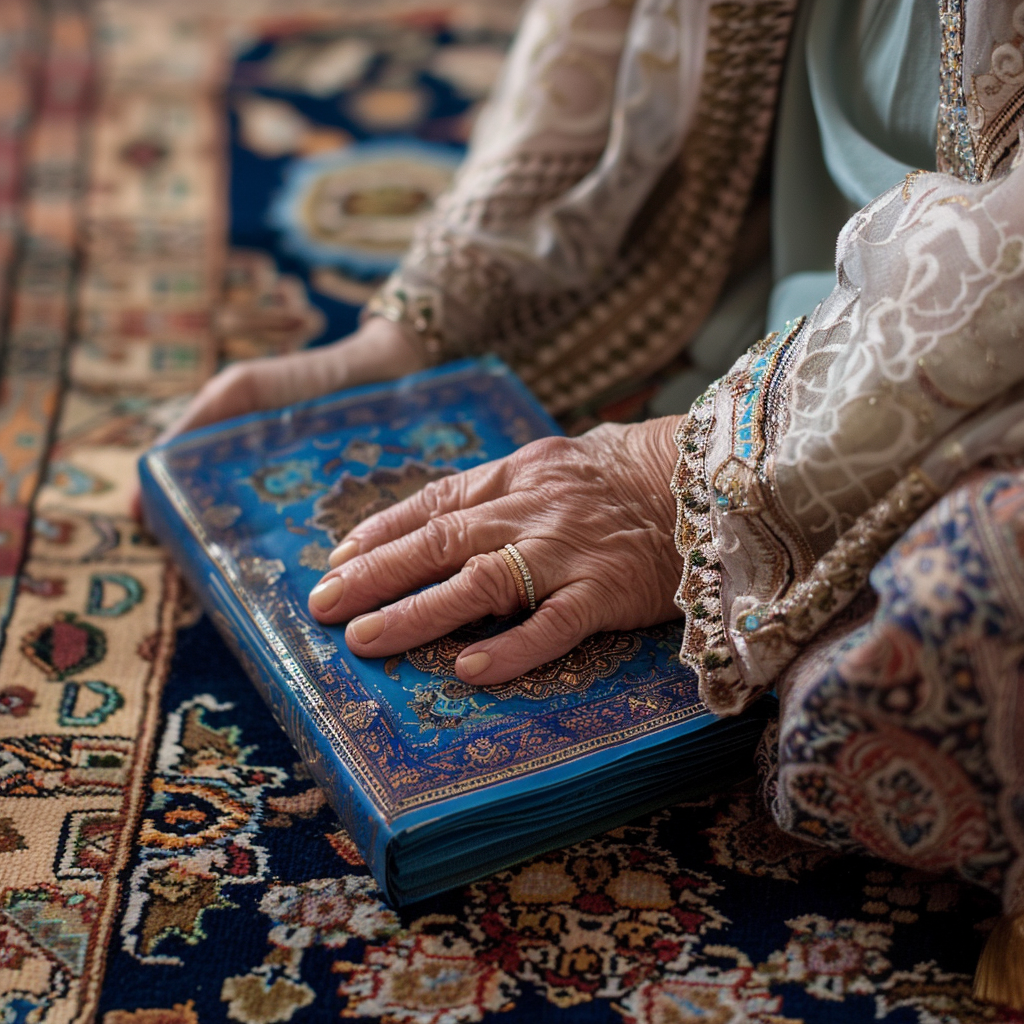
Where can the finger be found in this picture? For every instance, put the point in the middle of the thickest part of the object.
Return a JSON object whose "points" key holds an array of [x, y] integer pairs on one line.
{"points": [[429, 555], [443, 497], [483, 587], [564, 620]]}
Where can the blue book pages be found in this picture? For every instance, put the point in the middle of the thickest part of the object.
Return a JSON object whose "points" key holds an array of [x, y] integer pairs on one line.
{"points": [[436, 781]]}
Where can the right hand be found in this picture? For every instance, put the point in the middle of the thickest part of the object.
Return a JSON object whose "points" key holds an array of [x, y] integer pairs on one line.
{"points": [[378, 350], [586, 514]]}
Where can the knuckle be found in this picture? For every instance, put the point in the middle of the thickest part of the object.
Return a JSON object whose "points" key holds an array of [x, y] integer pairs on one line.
{"points": [[542, 453], [544, 449], [436, 540], [489, 583], [418, 610], [605, 431], [436, 495], [442, 537], [563, 620], [545, 463]]}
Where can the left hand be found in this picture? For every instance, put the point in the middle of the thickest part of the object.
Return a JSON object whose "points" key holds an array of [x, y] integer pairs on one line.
{"points": [[593, 518]]}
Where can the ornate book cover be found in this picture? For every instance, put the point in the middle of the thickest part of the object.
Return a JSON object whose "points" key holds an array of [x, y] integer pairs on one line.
{"points": [[437, 782]]}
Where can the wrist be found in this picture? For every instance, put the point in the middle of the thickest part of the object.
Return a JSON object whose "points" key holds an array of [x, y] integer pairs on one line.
{"points": [[411, 312], [663, 453], [383, 350], [664, 447]]}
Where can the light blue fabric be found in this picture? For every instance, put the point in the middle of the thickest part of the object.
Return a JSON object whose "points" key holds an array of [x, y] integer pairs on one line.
{"points": [[796, 295], [858, 112], [873, 69]]}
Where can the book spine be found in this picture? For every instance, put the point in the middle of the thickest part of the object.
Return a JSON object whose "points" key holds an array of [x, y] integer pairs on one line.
{"points": [[364, 824]]}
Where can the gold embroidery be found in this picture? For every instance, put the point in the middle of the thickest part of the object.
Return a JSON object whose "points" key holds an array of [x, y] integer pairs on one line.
{"points": [[316, 712], [908, 184], [699, 596], [596, 658], [841, 572], [352, 499], [979, 120], [737, 488], [995, 104]]}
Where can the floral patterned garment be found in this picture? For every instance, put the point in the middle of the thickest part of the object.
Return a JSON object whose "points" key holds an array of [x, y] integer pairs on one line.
{"points": [[903, 727]]}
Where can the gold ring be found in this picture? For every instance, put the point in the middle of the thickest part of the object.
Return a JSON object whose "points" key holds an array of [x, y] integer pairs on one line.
{"points": [[517, 578], [520, 576]]}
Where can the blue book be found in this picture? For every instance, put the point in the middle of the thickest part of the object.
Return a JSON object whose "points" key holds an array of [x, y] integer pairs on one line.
{"points": [[438, 783]]}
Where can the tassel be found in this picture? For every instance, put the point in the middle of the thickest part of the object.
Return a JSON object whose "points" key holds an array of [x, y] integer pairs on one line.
{"points": [[1000, 974]]}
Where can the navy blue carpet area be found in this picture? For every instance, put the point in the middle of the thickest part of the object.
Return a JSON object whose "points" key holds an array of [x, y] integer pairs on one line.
{"points": [[247, 902]]}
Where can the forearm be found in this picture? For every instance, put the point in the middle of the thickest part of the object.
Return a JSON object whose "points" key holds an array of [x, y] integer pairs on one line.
{"points": [[593, 106]]}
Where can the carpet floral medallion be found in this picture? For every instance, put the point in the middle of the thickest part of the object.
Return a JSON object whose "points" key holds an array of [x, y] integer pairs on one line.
{"points": [[186, 183]]}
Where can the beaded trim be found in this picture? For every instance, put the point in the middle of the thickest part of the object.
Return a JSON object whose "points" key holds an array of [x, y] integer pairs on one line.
{"points": [[735, 483], [734, 488], [699, 596], [955, 148]]}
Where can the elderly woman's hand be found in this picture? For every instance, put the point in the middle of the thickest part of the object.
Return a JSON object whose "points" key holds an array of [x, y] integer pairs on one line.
{"points": [[379, 350], [592, 517]]}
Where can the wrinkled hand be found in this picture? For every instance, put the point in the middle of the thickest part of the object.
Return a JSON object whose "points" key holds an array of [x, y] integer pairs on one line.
{"points": [[592, 516], [379, 350]]}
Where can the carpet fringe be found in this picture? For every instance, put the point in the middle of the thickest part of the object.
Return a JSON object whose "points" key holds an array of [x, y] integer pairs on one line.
{"points": [[1000, 974]]}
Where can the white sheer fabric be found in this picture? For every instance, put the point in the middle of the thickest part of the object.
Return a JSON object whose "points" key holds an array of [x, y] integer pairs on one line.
{"points": [[593, 105], [585, 75]]}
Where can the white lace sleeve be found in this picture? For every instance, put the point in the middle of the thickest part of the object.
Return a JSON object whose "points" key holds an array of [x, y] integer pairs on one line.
{"points": [[593, 105], [823, 444]]}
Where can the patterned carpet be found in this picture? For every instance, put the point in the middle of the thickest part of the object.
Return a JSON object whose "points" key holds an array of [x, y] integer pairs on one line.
{"points": [[170, 179]]}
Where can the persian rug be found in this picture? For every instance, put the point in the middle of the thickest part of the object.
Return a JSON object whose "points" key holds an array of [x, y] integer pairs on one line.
{"points": [[171, 178]]}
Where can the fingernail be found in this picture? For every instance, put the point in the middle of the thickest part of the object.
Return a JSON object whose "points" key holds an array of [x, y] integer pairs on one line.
{"points": [[367, 627], [342, 553], [324, 596], [474, 664]]}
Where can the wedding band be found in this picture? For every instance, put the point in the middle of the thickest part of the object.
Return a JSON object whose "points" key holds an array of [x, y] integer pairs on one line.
{"points": [[520, 576], [517, 578]]}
